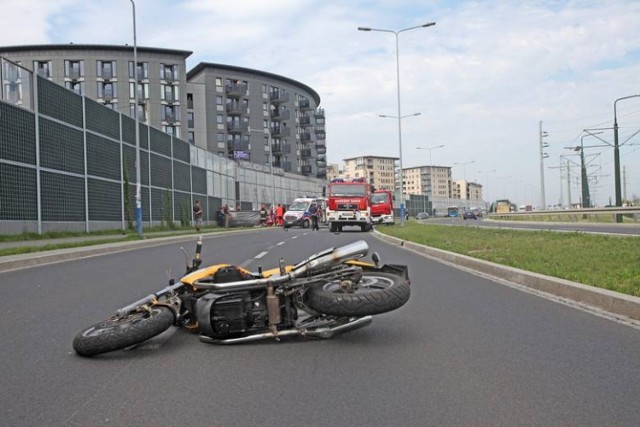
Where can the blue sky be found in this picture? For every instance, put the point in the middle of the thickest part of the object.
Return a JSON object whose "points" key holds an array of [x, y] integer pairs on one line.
{"points": [[482, 78]]}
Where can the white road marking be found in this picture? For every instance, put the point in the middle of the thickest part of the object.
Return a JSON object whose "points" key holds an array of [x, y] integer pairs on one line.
{"points": [[279, 243], [260, 255]]}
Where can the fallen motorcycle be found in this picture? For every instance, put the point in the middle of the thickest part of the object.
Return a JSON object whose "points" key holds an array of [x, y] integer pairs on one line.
{"points": [[330, 292]]}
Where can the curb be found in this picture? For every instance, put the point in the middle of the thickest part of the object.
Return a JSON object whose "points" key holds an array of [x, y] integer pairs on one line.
{"points": [[612, 302], [19, 262]]}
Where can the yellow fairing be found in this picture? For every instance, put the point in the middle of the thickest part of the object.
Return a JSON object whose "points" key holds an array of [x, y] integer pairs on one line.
{"points": [[208, 272], [360, 263], [276, 271]]}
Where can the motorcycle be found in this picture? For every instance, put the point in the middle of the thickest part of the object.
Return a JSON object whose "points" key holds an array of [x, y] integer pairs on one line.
{"points": [[330, 292]]}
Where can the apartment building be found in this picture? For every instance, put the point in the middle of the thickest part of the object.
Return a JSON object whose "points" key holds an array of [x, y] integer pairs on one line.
{"points": [[247, 114], [239, 113], [434, 181], [379, 171], [466, 190]]}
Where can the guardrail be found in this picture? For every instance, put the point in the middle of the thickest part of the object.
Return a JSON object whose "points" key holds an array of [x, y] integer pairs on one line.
{"points": [[603, 215]]}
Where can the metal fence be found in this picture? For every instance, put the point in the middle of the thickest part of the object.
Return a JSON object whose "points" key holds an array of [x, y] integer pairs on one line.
{"points": [[68, 163]]}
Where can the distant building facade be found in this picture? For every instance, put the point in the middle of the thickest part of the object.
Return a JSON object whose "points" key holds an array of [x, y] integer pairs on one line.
{"points": [[378, 170], [434, 181]]}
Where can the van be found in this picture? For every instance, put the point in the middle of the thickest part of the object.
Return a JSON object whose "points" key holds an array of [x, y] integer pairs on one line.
{"points": [[295, 214]]}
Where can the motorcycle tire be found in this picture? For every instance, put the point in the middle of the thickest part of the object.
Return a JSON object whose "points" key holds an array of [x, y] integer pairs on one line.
{"points": [[375, 293], [116, 334], [306, 223]]}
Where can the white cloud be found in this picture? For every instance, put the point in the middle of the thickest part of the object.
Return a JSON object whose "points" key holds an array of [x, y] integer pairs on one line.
{"points": [[482, 78]]}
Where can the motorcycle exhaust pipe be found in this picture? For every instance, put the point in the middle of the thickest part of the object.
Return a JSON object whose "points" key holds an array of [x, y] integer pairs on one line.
{"points": [[323, 333], [326, 259]]}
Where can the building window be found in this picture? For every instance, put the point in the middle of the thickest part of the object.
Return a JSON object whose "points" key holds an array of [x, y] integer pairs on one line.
{"points": [[170, 114], [106, 69], [73, 69], [170, 93], [171, 130], [220, 137], [43, 68], [77, 87], [219, 100], [220, 119], [142, 71], [168, 72], [189, 100], [107, 90], [142, 112], [191, 137], [143, 90], [218, 82], [190, 121]]}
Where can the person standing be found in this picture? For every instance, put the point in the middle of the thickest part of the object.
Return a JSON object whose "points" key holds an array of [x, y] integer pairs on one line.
{"points": [[197, 214], [227, 216], [279, 215], [263, 215], [313, 212]]}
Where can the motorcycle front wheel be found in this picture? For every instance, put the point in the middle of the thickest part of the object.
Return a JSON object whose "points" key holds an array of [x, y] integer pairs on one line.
{"points": [[374, 293], [118, 333]]}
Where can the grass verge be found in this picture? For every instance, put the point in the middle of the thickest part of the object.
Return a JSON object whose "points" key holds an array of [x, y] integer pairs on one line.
{"points": [[608, 262]]}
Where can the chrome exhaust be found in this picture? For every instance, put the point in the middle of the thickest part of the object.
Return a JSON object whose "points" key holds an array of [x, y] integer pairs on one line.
{"points": [[322, 333]]}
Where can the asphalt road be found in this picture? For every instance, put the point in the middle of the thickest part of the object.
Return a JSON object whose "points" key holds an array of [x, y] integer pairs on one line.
{"points": [[464, 351]]}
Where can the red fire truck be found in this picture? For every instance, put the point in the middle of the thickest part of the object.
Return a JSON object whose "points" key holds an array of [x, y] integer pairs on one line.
{"points": [[382, 207], [349, 203]]}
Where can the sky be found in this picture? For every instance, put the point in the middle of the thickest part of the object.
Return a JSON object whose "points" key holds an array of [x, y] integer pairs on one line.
{"points": [[482, 78]]}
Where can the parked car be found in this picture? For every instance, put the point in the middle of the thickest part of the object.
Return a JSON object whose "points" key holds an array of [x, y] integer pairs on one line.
{"points": [[422, 215], [469, 214]]}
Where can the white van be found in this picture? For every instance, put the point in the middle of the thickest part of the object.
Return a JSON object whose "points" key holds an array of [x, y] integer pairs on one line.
{"points": [[295, 214]]}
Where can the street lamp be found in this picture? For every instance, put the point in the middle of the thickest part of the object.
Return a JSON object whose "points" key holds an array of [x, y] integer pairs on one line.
{"points": [[430, 148], [273, 178], [487, 173], [464, 168], [135, 114], [616, 155], [399, 117]]}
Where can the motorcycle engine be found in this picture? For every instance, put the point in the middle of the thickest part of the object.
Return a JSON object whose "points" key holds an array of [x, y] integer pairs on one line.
{"points": [[224, 315]]}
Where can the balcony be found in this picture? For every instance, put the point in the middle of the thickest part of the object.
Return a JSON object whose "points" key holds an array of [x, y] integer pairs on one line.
{"points": [[319, 113], [281, 148], [321, 144], [107, 74], [74, 74], [285, 166], [321, 149], [234, 127], [305, 104], [234, 108], [170, 119], [305, 153], [322, 164], [278, 97], [306, 121], [320, 134], [280, 114], [280, 132], [238, 146], [236, 90], [306, 137], [305, 169]]}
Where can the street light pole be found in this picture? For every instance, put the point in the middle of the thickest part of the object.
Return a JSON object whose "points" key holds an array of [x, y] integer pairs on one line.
{"points": [[487, 173], [430, 165], [135, 114], [396, 33], [464, 168], [616, 155]]}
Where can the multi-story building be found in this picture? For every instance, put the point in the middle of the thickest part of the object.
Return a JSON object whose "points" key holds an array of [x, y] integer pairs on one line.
{"points": [[333, 171], [106, 74], [235, 112], [465, 190], [240, 113], [379, 171], [434, 181]]}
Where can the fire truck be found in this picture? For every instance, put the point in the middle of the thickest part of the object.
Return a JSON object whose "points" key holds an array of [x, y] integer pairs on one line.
{"points": [[382, 207], [349, 203]]}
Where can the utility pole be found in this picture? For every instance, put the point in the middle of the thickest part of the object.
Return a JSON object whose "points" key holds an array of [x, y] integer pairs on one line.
{"points": [[543, 155]]}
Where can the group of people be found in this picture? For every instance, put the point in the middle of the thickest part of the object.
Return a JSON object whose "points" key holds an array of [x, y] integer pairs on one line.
{"points": [[274, 216]]}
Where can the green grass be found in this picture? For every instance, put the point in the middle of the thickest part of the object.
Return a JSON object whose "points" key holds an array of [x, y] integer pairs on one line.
{"points": [[608, 262]]}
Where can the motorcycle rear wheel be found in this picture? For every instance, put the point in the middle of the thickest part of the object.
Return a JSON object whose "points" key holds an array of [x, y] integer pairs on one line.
{"points": [[375, 293], [118, 333]]}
